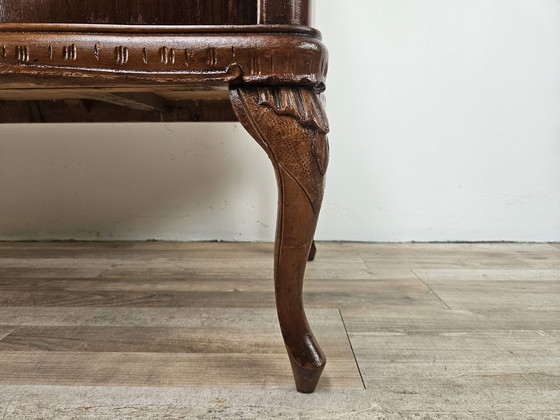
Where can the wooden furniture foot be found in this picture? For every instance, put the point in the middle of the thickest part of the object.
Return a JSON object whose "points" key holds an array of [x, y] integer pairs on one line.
{"points": [[291, 126]]}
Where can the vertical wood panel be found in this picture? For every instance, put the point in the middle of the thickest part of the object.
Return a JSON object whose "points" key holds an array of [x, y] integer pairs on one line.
{"points": [[171, 12], [296, 12]]}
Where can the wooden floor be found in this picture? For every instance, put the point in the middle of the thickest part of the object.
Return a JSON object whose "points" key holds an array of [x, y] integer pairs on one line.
{"points": [[188, 330]]}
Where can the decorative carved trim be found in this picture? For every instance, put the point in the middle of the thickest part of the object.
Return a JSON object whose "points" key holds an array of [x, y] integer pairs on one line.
{"points": [[211, 57], [22, 53], [320, 151], [306, 107], [261, 58], [121, 55], [166, 55], [303, 104], [291, 125], [70, 52]]}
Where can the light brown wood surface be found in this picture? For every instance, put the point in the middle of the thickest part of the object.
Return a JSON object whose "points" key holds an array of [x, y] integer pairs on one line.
{"points": [[188, 330]]}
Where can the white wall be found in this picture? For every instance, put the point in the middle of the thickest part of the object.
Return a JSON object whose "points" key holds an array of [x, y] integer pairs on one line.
{"points": [[445, 119]]}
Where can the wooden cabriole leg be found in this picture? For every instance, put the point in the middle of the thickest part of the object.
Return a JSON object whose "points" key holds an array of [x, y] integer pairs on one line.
{"points": [[291, 125]]}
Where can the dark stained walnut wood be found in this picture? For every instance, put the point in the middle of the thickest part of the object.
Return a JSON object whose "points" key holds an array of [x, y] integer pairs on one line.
{"points": [[296, 12], [97, 110], [291, 126], [140, 60], [131, 12], [193, 57]]}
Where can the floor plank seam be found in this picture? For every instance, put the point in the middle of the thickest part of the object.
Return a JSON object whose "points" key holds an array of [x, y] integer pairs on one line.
{"points": [[430, 289], [352, 348], [7, 333]]}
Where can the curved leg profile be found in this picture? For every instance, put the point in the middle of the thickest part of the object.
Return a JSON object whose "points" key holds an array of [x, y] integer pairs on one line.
{"points": [[291, 126]]}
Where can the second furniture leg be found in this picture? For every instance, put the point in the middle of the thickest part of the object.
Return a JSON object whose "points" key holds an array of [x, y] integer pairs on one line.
{"points": [[312, 252], [290, 124]]}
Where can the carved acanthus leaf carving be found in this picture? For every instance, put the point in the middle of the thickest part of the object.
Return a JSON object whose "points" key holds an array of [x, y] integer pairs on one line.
{"points": [[302, 104], [320, 150], [291, 125], [306, 107]]}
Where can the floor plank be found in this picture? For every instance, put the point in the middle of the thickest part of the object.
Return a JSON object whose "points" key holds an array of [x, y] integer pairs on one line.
{"points": [[161, 291], [459, 275], [225, 299], [460, 256], [5, 331], [519, 294], [211, 330], [64, 347], [398, 319], [457, 362], [63, 402], [161, 369]]}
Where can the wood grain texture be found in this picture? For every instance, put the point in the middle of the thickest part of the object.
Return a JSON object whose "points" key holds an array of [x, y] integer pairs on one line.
{"points": [[131, 12], [485, 289], [296, 12], [210, 403], [291, 126], [5, 331], [187, 343], [387, 319], [183, 293], [460, 256], [246, 319], [274, 69], [207, 330], [495, 356], [199, 57], [491, 274], [458, 361], [74, 110], [159, 369]]}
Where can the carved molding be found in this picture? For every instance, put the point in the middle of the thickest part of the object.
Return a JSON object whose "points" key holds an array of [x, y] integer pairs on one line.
{"points": [[121, 54], [69, 52], [258, 58]]}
